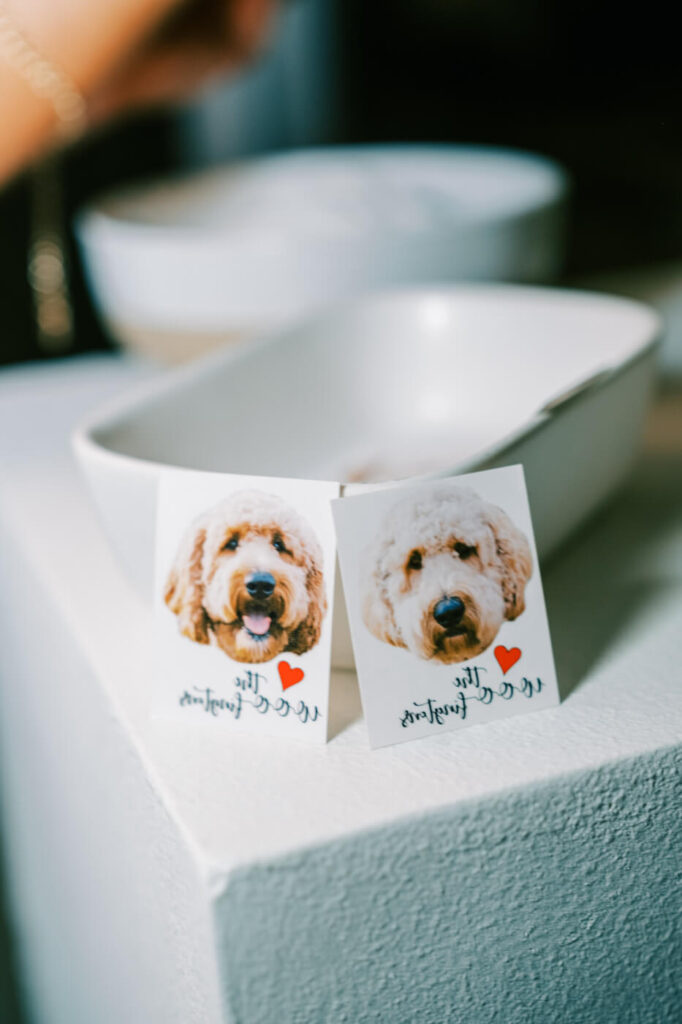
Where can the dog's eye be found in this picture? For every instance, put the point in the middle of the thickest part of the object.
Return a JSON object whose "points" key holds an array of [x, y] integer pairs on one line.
{"points": [[465, 550], [231, 544], [415, 560], [278, 544]]}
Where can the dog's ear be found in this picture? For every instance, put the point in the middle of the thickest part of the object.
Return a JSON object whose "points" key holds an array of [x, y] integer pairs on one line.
{"points": [[184, 593], [306, 635], [377, 611], [513, 550]]}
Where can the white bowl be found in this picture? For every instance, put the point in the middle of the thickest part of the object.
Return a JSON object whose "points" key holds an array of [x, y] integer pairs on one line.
{"points": [[175, 267], [428, 382]]}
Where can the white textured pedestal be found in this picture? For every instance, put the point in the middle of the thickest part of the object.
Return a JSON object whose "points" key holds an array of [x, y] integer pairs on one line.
{"points": [[524, 871]]}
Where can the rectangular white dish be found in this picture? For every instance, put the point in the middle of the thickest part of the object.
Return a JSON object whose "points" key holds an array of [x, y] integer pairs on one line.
{"points": [[407, 384]]}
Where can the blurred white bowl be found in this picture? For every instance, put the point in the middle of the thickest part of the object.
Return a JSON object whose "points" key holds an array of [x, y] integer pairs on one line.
{"points": [[176, 267], [427, 382]]}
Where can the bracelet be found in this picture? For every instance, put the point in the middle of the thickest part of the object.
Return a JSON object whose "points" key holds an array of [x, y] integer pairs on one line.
{"points": [[46, 80]]}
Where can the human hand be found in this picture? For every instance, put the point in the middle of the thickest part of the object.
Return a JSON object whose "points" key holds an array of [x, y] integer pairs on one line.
{"points": [[198, 39]]}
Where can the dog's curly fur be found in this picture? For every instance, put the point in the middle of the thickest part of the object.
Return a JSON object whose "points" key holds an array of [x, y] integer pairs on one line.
{"points": [[449, 543], [249, 532]]}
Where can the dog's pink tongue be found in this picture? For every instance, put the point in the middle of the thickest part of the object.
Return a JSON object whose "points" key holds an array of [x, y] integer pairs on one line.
{"points": [[257, 624]]}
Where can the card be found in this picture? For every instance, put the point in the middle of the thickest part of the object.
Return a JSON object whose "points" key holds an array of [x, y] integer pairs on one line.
{"points": [[445, 603], [244, 585]]}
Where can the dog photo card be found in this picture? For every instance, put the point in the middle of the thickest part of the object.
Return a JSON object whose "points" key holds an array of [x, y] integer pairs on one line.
{"points": [[445, 604], [244, 585]]}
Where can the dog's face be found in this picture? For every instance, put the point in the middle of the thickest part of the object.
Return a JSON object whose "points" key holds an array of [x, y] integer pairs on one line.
{"points": [[446, 572], [248, 577]]}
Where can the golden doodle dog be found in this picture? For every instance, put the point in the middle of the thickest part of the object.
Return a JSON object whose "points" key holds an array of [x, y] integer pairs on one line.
{"points": [[445, 572], [248, 578]]}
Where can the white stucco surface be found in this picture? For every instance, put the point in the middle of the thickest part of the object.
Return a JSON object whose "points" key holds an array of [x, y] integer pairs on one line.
{"points": [[230, 818]]}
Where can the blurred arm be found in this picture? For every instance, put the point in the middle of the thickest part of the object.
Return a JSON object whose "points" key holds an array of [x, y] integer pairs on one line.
{"points": [[118, 54]]}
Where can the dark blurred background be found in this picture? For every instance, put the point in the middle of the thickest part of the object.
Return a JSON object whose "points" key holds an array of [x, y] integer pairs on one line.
{"points": [[596, 86]]}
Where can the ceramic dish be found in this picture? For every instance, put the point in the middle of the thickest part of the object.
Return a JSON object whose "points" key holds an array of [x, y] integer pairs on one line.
{"points": [[176, 266], [427, 382]]}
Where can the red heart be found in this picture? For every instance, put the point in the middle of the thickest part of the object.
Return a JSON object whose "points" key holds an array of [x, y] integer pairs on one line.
{"points": [[507, 658], [289, 676]]}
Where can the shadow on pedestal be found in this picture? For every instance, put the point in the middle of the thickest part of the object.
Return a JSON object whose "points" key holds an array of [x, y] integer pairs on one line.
{"points": [[10, 1008], [602, 578]]}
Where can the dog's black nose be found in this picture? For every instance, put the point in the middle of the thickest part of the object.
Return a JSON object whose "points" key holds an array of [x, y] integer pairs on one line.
{"points": [[448, 612], [260, 584]]}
